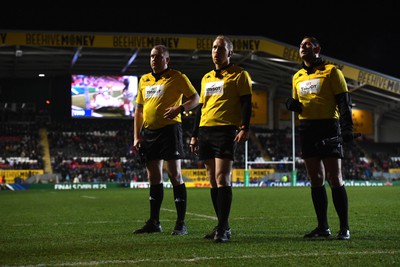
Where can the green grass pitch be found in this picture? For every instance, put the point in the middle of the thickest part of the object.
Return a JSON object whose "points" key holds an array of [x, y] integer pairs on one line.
{"points": [[94, 228]]}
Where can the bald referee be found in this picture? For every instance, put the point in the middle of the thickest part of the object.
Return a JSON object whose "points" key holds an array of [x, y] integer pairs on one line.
{"points": [[222, 121], [158, 132]]}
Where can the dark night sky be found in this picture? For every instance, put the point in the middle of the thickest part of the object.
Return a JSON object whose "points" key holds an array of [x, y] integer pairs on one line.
{"points": [[363, 34]]}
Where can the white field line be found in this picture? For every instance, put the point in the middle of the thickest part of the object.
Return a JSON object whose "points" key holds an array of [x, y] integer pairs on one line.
{"points": [[199, 259], [194, 214]]}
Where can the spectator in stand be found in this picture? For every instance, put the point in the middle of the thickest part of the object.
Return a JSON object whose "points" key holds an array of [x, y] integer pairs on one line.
{"points": [[76, 179]]}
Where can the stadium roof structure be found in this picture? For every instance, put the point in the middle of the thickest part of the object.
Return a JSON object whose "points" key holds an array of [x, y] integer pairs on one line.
{"points": [[271, 64]]}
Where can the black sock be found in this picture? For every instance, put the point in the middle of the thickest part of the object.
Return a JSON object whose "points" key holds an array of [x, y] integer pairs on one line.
{"points": [[340, 201], [156, 199], [214, 199], [320, 202], [224, 206], [180, 198]]}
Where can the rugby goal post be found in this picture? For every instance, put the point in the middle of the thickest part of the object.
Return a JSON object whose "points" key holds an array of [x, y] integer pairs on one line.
{"points": [[293, 161]]}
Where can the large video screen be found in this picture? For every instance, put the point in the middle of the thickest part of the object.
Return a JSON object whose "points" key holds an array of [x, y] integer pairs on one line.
{"points": [[107, 96]]}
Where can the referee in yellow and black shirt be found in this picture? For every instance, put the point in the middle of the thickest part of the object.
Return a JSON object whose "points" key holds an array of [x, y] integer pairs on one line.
{"points": [[158, 131], [322, 101], [222, 121]]}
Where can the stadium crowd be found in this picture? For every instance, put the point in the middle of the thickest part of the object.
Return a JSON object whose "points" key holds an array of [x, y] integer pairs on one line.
{"points": [[101, 151]]}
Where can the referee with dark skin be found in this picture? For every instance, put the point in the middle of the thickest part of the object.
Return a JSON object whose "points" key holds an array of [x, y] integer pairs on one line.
{"points": [[322, 101], [222, 122]]}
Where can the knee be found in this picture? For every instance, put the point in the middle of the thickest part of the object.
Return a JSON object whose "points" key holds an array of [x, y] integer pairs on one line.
{"points": [[316, 181], [176, 179], [336, 183]]}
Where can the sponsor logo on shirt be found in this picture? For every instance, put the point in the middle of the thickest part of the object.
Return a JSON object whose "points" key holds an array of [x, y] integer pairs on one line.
{"points": [[154, 91], [214, 88], [310, 87]]}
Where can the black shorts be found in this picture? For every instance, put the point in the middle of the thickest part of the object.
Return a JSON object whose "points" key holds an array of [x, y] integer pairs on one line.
{"points": [[217, 142], [312, 132], [164, 143]]}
